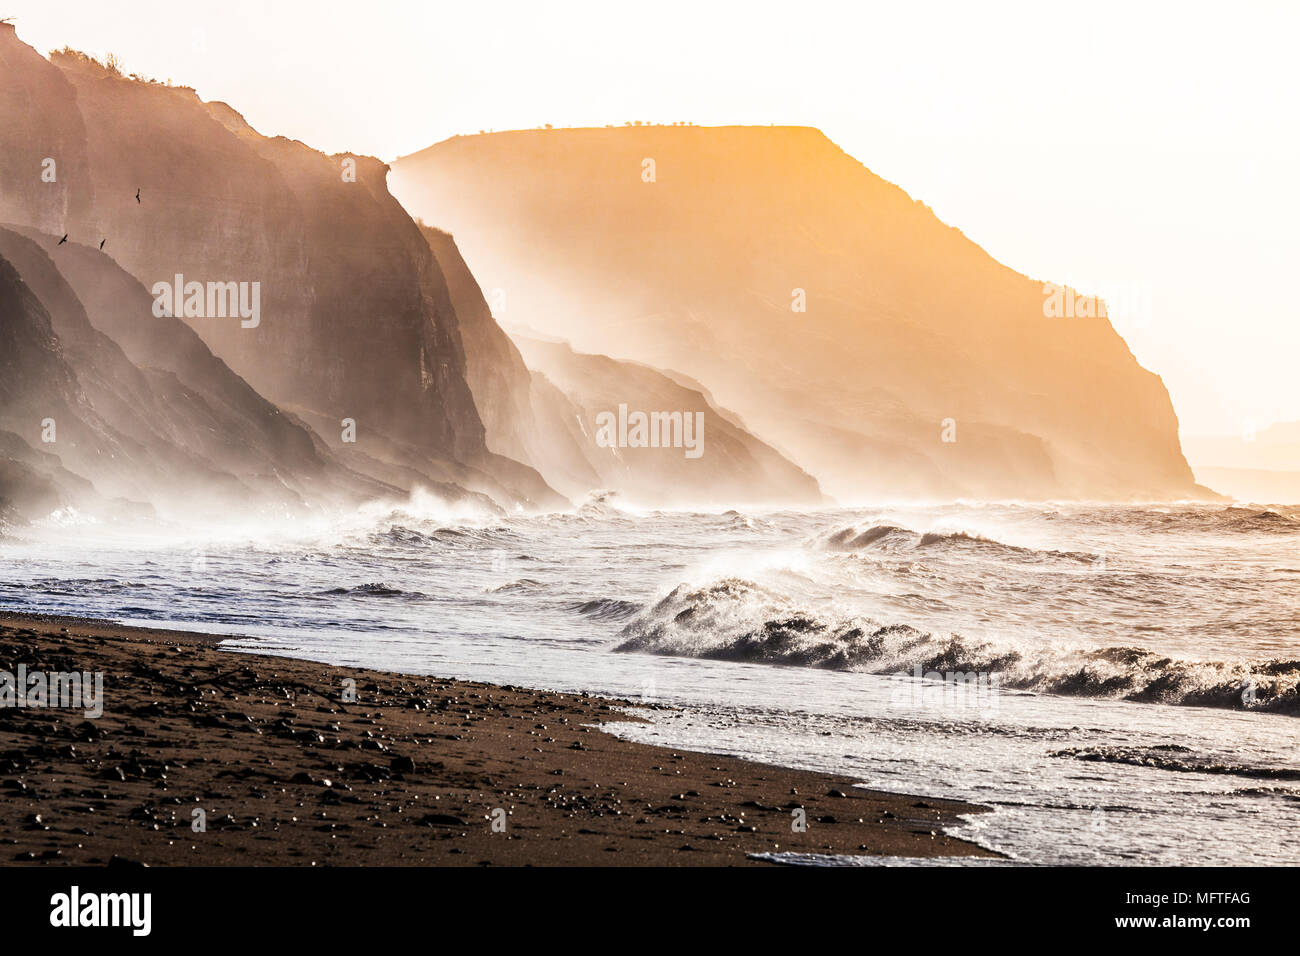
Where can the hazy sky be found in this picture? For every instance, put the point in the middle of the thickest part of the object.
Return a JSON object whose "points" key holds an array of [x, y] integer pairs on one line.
{"points": [[1151, 148]]}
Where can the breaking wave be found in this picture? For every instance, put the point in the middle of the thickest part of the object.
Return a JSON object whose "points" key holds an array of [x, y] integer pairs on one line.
{"points": [[740, 620], [1231, 519], [893, 539], [606, 609], [1269, 521]]}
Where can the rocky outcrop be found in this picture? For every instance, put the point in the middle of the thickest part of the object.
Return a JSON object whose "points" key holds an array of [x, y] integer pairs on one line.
{"points": [[34, 484], [876, 346]]}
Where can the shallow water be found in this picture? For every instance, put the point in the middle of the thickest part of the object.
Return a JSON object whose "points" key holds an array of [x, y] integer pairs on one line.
{"points": [[1110, 651]]}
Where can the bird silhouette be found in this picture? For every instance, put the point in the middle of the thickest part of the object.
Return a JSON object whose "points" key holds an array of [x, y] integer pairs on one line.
{"points": [[101, 243], [137, 194], [63, 240]]}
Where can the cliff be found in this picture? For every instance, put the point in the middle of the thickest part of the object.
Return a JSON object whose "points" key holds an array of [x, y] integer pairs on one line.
{"points": [[523, 417], [540, 407], [147, 413], [917, 367], [36, 385], [717, 463], [355, 318]]}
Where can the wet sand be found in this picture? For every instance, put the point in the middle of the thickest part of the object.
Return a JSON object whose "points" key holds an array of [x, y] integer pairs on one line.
{"points": [[416, 771]]}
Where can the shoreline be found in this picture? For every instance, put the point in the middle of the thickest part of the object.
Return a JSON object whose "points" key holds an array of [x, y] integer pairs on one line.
{"points": [[283, 770]]}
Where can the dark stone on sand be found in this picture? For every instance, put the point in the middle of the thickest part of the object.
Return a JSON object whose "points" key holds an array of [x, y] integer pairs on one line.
{"points": [[402, 765]]}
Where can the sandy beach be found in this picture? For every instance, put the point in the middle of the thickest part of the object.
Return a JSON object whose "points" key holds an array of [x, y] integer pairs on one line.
{"points": [[285, 769]]}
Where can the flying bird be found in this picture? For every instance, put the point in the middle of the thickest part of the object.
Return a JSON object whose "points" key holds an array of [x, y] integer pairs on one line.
{"points": [[137, 194], [63, 240], [101, 243]]}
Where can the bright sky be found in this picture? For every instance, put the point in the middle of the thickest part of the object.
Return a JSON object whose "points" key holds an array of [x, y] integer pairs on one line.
{"points": [[1145, 147]]}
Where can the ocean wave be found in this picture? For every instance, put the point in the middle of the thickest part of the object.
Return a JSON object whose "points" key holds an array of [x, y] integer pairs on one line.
{"points": [[1175, 757], [598, 504], [1267, 521], [476, 533], [740, 620], [882, 535], [892, 538], [76, 586], [605, 609], [736, 519], [434, 534], [512, 587], [1285, 793], [400, 534], [376, 589], [1230, 519]]}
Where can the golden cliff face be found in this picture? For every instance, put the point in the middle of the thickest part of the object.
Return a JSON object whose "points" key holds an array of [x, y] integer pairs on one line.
{"points": [[879, 348]]}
